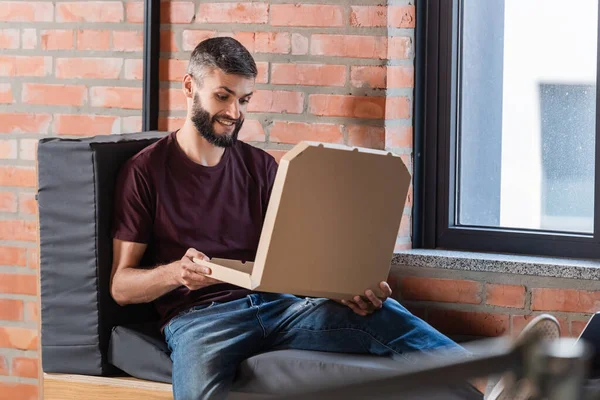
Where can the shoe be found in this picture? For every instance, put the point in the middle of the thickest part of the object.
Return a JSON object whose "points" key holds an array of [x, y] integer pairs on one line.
{"points": [[547, 327]]}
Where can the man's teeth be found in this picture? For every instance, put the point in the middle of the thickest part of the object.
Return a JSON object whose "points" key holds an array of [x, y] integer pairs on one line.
{"points": [[228, 123]]}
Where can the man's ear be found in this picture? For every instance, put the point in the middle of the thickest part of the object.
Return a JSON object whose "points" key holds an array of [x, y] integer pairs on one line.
{"points": [[188, 86]]}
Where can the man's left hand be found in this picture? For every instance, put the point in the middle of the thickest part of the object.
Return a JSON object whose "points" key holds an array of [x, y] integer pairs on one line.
{"points": [[367, 304]]}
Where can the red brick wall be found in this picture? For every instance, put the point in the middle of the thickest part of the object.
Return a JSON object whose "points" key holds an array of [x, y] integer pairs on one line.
{"points": [[489, 304], [66, 68], [328, 72]]}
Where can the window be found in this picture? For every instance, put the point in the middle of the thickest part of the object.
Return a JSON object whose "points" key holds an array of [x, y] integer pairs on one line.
{"points": [[505, 131]]}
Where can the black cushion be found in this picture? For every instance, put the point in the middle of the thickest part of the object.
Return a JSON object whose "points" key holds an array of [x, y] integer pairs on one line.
{"points": [[76, 194]]}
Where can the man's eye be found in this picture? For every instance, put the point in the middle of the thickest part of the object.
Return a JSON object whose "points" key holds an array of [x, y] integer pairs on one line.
{"points": [[244, 101], [222, 97]]}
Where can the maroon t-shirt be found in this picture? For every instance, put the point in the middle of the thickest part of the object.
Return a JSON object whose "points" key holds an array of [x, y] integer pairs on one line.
{"points": [[171, 203]]}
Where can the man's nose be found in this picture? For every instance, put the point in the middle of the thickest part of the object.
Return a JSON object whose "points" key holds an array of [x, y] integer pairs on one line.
{"points": [[233, 111]]}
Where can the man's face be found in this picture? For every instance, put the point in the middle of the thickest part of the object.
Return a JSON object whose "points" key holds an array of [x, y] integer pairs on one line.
{"points": [[218, 106]]}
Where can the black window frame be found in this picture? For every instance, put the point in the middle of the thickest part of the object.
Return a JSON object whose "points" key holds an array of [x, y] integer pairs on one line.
{"points": [[436, 66]]}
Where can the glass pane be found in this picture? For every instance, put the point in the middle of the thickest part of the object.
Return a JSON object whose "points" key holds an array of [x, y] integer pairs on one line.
{"points": [[526, 115]]}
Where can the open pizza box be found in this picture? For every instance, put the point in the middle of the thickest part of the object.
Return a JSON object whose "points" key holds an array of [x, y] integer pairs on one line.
{"points": [[331, 224]]}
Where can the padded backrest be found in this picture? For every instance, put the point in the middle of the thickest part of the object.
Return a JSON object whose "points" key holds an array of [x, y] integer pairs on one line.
{"points": [[76, 179]]}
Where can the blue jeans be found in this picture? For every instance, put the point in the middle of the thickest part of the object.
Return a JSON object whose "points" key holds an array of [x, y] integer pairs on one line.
{"points": [[208, 342]]}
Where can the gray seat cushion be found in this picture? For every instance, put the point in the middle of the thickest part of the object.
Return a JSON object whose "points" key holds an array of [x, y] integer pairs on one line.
{"points": [[140, 351]]}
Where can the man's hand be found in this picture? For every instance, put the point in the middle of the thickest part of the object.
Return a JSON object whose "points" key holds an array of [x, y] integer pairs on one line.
{"points": [[192, 275], [370, 302]]}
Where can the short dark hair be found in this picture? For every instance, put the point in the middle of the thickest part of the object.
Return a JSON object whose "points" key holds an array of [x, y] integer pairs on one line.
{"points": [[224, 53]]}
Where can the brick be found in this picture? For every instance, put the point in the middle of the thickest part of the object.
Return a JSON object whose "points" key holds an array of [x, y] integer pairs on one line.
{"points": [[272, 42], [18, 338], [8, 202], [90, 11], [10, 38], [190, 39], [231, 13], [172, 99], [170, 124], [176, 12], [17, 283], [400, 47], [294, 132], [25, 367], [17, 176], [299, 44], [28, 149], [116, 97], [399, 137], [131, 124], [89, 68], [349, 46], [4, 371], [452, 322], [277, 102], [368, 76], [18, 391], [252, 131], [134, 69], [33, 257], [520, 321], [405, 229], [25, 66], [128, 40], [57, 39], [30, 11], [397, 107], [93, 40], [11, 310], [505, 295], [277, 154], [13, 256], [247, 39], [263, 72], [32, 311], [22, 230], [401, 16], [368, 16], [168, 41], [24, 123], [83, 125], [308, 74], [577, 327], [65, 95], [443, 290], [347, 106], [134, 12], [402, 247], [171, 69], [366, 136], [409, 197], [29, 39], [400, 76], [27, 203], [6, 94], [314, 15], [570, 300], [8, 149]]}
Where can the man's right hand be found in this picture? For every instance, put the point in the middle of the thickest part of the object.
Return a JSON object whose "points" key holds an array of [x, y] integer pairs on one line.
{"points": [[192, 275]]}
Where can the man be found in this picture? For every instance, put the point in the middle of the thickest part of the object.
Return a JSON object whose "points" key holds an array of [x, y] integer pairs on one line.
{"points": [[199, 192]]}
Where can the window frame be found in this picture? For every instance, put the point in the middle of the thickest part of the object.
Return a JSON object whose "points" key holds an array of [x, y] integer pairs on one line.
{"points": [[436, 36]]}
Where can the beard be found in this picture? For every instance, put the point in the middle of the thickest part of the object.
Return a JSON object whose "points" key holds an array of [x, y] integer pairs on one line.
{"points": [[204, 123]]}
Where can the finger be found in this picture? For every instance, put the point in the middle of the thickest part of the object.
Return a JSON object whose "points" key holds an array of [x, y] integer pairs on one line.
{"points": [[193, 253], [387, 290], [354, 307], [376, 301], [196, 268], [361, 303]]}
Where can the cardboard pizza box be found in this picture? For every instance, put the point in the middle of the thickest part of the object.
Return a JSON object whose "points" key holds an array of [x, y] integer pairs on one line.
{"points": [[331, 224]]}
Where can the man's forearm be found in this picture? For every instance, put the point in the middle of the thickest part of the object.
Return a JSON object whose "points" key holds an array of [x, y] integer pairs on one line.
{"points": [[138, 285]]}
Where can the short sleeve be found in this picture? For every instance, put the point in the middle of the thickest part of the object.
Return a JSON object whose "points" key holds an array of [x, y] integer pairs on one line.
{"points": [[134, 205]]}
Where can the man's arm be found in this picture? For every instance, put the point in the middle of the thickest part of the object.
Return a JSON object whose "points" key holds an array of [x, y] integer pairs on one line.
{"points": [[131, 284]]}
